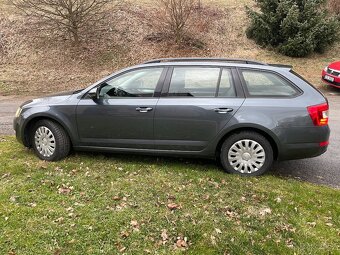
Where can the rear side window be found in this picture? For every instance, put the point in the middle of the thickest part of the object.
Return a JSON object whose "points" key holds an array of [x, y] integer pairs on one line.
{"points": [[261, 83], [201, 82], [226, 84]]}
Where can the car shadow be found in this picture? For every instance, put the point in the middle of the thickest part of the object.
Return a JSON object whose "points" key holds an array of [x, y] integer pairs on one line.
{"points": [[302, 170], [199, 164]]}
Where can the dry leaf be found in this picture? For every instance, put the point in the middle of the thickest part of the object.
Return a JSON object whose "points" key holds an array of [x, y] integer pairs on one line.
{"points": [[278, 200], [122, 249], [213, 240], [181, 242], [265, 211], [173, 206], [72, 241], [59, 220], [312, 224], [64, 189], [134, 223], [124, 234], [164, 236], [290, 243]]}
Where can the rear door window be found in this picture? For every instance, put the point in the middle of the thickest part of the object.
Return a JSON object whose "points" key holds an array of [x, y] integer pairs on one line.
{"points": [[262, 83], [201, 82], [226, 88]]}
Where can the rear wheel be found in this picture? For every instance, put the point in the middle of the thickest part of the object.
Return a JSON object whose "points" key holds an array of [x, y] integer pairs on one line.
{"points": [[246, 153], [49, 140]]}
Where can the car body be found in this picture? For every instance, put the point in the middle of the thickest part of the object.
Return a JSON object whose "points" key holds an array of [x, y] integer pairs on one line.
{"points": [[243, 112], [331, 74]]}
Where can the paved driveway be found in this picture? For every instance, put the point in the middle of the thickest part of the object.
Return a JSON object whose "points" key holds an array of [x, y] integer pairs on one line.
{"points": [[323, 170]]}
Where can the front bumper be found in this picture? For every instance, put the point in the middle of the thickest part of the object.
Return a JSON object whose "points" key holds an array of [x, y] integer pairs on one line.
{"points": [[335, 83], [17, 126]]}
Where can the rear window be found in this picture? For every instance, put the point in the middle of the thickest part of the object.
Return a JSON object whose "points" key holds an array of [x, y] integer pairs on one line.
{"points": [[262, 83], [310, 84]]}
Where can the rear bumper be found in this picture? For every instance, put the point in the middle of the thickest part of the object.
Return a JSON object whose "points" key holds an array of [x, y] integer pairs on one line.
{"points": [[302, 150]]}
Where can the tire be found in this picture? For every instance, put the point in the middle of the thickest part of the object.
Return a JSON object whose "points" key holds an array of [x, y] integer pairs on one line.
{"points": [[50, 141], [246, 153]]}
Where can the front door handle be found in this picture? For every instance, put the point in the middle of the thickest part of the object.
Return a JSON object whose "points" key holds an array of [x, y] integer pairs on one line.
{"points": [[144, 109], [223, 110]]}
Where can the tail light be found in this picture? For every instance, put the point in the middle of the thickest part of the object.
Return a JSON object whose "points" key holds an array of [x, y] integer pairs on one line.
{"points": [[319, 114], [323, 144]]}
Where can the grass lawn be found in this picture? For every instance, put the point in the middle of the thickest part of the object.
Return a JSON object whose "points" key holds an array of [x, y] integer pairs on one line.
{"points": [[109, 204]]}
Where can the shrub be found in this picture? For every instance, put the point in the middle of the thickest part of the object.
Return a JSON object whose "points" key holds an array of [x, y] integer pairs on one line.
{"points": [[295, 27]]}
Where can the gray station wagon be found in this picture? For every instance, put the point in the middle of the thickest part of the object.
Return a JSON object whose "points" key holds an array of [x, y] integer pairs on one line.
{"points": [[244, 113]]}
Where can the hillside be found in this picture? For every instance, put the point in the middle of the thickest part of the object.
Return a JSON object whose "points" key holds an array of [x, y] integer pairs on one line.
{"points": [[33, 61]]}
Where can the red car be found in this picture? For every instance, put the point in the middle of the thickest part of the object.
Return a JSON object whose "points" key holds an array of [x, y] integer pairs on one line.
{"points": [[331, 74]]}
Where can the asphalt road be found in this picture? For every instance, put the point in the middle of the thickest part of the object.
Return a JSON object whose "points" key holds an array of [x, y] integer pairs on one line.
{"points": [[324, 169]]}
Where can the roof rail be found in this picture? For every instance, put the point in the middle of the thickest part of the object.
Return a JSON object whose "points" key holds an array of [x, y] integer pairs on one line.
{"points": [[231, 60], [281, 65]]}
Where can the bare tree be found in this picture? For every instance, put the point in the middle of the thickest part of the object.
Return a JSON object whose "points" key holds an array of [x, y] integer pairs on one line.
{"points": [[70, 16], [176, 14]]}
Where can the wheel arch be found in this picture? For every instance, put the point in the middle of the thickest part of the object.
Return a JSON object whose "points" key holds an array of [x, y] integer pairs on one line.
{"points": [[34, 119], [260, 130]]}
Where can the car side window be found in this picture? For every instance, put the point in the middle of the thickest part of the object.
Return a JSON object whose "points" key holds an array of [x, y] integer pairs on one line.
{"points": [[261, 83], [138, 83], [226, 88], [194, 82]]}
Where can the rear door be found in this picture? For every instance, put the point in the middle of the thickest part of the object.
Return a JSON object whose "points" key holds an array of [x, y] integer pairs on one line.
{"points": [[196, 103]]}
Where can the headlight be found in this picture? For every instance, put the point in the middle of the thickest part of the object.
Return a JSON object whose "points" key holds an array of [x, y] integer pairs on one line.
{"points": [[326, 68], [17, 113]]}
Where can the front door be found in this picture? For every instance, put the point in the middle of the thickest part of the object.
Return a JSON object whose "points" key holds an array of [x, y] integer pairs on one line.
{"points": [[123, 115], [198, 102]]}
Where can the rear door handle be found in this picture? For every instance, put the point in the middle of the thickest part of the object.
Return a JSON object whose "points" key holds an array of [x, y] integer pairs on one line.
{"points": [[223, 110], [144, 109]]}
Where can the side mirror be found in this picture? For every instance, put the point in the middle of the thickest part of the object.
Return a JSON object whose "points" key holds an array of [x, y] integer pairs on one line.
{"points": [[93, 93]]}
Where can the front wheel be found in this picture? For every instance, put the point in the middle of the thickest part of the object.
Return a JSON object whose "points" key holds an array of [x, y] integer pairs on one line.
{"points": [[49, 140], [246, 153]]}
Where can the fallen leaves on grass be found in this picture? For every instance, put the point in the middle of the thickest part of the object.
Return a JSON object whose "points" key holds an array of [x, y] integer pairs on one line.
{"points": [[312, 224], [290, 243], [135, 225], [181, 243], [164, 236], [173, 206], [265, 211], [218, 231], [124, 234], [64, 189], [278, 200], [5, 175]]}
